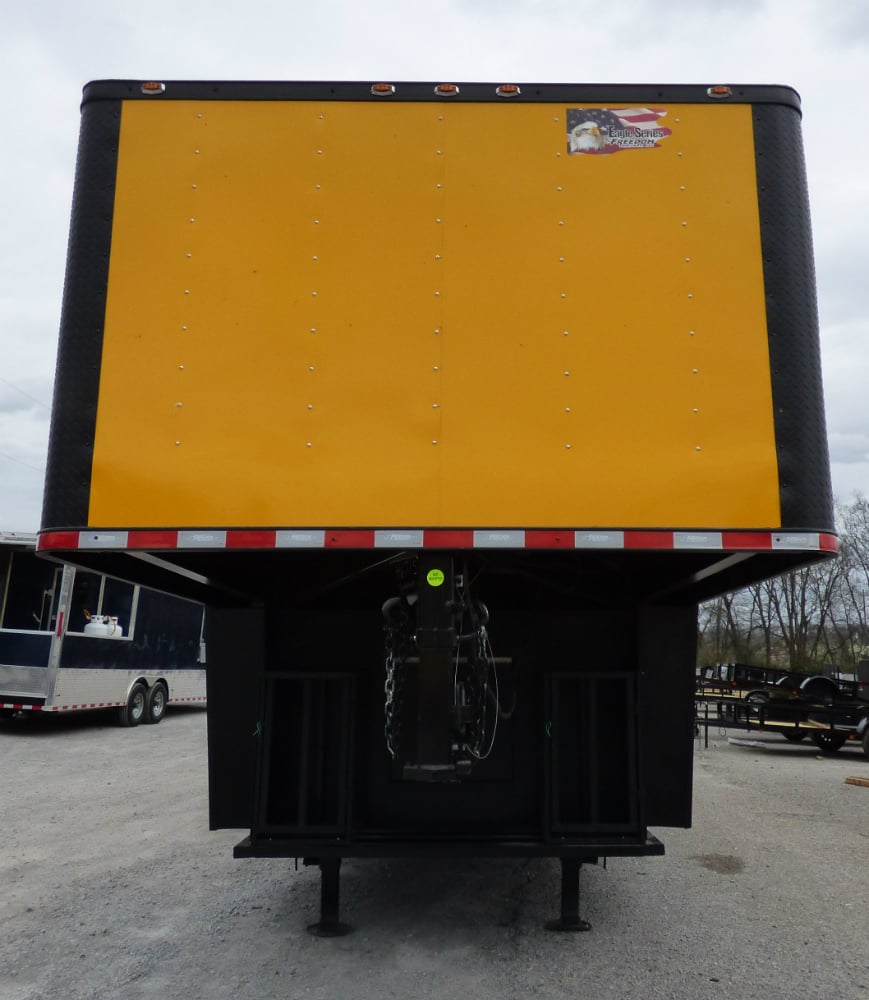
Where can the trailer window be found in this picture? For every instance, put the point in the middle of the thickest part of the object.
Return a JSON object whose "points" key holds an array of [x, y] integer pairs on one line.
{"points": [[30, 599], [118, 602], [93, 594]]}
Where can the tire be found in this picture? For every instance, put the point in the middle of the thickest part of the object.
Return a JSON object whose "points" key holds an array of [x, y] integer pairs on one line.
{"points": [[827, 741], [155, 705], [794, 735], [137, 702], [866, 743]]}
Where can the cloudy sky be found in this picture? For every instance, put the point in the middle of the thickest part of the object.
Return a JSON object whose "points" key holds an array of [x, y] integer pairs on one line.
{"points": [[49, 49]]}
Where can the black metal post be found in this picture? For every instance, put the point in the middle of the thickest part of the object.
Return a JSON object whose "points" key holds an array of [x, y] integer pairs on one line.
{"points": [[569, 919], [329, 925]]}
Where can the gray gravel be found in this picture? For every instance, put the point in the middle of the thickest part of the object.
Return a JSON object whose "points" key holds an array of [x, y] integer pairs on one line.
{"points": [[112, 886]]}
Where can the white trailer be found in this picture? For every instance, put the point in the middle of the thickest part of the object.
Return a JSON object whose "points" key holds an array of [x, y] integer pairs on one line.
{"points": [[72, 639]]}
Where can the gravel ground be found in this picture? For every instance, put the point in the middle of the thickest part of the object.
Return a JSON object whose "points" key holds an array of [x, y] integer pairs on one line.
{"points": [[112, 886]]}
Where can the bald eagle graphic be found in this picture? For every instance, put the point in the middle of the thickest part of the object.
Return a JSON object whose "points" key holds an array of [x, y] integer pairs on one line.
{"points": [[607, 130], [586, 137]]}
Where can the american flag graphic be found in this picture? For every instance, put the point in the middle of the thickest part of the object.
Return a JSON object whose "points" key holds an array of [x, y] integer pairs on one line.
{"points": [[609, 130]]}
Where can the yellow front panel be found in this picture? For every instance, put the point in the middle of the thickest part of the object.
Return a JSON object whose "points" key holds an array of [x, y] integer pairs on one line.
{"points": [[430, 314]]}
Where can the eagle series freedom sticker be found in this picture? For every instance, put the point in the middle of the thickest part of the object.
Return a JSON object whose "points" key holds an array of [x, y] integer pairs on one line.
{"points": [[605, 130]]}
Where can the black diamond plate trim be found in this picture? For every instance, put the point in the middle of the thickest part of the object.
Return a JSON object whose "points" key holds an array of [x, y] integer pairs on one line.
{"points": [[792, 321], [71, 439]]}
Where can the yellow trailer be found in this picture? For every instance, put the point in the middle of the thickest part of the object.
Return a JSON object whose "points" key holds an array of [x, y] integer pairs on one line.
{"points": [[332, 346]]}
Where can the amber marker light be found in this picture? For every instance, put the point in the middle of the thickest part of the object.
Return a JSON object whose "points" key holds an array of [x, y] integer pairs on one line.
{"points": [[508, 90], [446, 90], [152, 87], [383, 89], [720, 91]]}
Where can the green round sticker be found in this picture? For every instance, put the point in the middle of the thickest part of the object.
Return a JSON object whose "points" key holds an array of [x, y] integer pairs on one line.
{"points": [[435, 577]]}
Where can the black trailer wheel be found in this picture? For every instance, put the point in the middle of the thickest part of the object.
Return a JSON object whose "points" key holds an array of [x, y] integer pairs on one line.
{"points": [[134, 711], [794, 735], [866, 743], [828, 741], [155, 705]]}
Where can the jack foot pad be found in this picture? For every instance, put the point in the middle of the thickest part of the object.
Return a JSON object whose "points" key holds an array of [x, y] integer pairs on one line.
{"points": [[571, 925], [329, 929]]}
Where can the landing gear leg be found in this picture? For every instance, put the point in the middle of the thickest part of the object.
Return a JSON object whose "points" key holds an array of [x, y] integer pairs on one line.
{"points": [[329, 925], [569, 919]]}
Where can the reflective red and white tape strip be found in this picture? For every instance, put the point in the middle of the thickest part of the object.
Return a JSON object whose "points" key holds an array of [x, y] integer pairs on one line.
{"points": [[437, 538], [17, 707]]}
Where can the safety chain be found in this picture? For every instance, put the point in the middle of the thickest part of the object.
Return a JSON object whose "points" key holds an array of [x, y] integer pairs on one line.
{"points": [[392, 687]]}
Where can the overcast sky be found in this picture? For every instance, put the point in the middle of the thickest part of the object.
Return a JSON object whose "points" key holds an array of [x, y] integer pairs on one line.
{"points": [[50, 48]]}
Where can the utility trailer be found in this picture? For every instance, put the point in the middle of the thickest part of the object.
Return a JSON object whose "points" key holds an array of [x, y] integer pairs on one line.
{"points": [[451, 401], [73, 639]]}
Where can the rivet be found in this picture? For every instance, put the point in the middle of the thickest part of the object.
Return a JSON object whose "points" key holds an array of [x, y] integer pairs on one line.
{"points": [[196, 151], [179, 404], [687, 260], [555, 119], [434, 442], [560, 222], [684, 223], [440, 118], [567, 446], [310, 406], [435, 406], [192, 220], [438, 185], [183, 327], [199, 115], [437, 293], [307, 444], [567, 409], [696, 409], [567, 373], [177, 443], [565, 333], [437, 331], [561, 260], [564, 295], [690, 295], [691, 332], [558, 154], [180, 368], [322, 117], [697, 448], [319, 152], [437, 256], [695, 371], [315, 257], [678, 154], [437, 220], [316, 222], [194, 186], [310, 368], [681, 187], [314, 294], [559, 188], [186, 291], [188, 255], [677, 120], [438, 152], [313, 329], [317, 187]]}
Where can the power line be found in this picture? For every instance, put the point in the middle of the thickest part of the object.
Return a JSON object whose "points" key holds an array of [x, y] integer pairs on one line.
{"points": [[19, 462], [33, 399]]}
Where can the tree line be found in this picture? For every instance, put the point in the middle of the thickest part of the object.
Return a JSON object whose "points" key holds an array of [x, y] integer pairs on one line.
{"points": [[812, 619]]}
